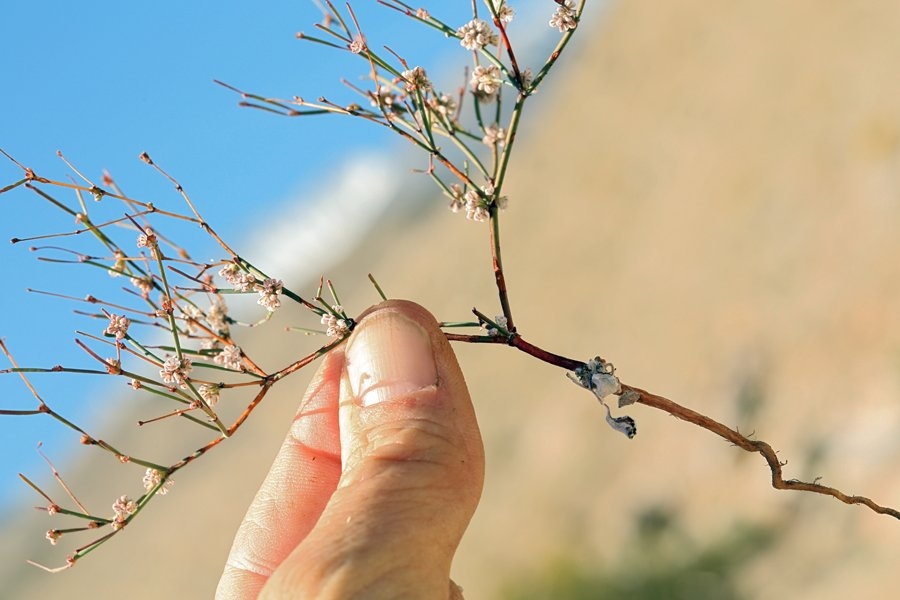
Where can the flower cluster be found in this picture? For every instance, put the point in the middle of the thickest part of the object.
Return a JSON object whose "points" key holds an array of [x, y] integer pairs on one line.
{"points": [[476, 204], [335, 326], [477, 208], [143, 284], [118, 326], [387, 100], [217, 316], [494, 135], [268, 291], [358, 44], [486, 82], [147, 239], [209, 393], [237, 277], [476, 34], [416, 79], [230, 357], [176, 370], [444, 105], [564, 17], [123, 507]]}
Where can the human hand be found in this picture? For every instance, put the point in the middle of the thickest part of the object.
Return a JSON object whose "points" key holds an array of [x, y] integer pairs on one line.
{"points": [[377, 479]]}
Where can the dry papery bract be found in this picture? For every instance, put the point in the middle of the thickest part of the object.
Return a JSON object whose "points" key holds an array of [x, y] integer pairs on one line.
{"points": [[169, 330]]}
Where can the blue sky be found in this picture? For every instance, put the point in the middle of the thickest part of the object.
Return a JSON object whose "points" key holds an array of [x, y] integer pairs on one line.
{"points": [[104, 81]]}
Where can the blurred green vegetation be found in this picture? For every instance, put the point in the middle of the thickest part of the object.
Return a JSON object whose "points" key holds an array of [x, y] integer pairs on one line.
{"points": [[660, 562]]}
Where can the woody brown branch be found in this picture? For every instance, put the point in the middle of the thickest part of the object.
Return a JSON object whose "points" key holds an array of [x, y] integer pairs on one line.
{"points": [[768, 453]]}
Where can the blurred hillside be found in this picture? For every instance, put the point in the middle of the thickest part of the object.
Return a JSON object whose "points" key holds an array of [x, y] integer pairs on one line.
{"points": [[709, 196]]}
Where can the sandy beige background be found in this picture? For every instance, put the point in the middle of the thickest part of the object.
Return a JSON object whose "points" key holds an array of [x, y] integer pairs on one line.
{"points": [[708, 196]]}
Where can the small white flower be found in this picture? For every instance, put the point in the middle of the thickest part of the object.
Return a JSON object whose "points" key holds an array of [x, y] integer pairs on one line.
{"points": [[444, 105], [358, 44], [113, 366], [144, 284], [422, 13], [118, 326], [245, 282], [527, 78], [217, 315], [237, 277], [209, 393], [564, 17], [229, 272], [230, 357], [486, 82], [476, 34], [176, 370], [494, 135], [476, 207], [53, 536], [456, 198], [386, 100], [504, 12], [147, 239], [268, 293], [192, 316], [416, 79]]}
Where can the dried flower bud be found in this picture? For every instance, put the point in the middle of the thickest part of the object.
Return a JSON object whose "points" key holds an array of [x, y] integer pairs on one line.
{"points": [[119, 266], [598, 376], [628, 397], [604, 384], [358, 44], [623, 424]]}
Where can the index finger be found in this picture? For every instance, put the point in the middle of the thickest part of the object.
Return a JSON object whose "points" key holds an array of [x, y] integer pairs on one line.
{"points": [[303, 477]]}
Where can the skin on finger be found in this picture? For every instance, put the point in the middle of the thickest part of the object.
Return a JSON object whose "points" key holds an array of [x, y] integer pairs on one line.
{"points": [[414, 468], [303, 477]]}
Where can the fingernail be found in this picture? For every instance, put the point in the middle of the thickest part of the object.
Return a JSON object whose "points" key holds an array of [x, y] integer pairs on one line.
{"points": [[389, 356]]}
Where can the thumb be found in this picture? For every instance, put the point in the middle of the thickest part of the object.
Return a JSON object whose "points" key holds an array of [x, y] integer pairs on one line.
{"points": [[413, 467]]}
